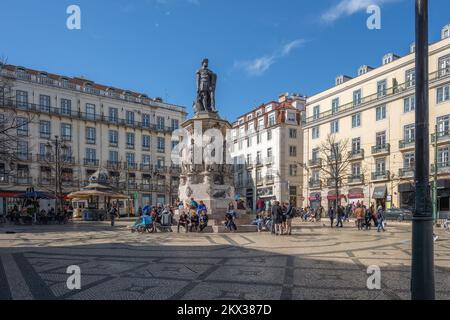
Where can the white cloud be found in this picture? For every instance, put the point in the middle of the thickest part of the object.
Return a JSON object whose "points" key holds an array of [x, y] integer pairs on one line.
{"points": [[260, 65], [348, 8]]}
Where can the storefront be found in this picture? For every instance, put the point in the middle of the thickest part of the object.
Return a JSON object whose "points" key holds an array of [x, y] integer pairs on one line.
{"points": [[407, 195], [315, 200], [380, 196], [332, 198], [267, 195], [355, 195]]}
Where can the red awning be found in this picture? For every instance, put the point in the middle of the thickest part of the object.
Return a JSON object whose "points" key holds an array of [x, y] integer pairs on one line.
{"points": [[7, 194], [333, 197], [356, 195]]}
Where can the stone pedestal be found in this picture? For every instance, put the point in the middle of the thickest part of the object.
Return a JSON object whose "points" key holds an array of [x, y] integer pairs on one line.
{"points": [[207, 180]]}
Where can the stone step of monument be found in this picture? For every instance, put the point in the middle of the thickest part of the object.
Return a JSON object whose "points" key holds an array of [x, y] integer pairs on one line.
{"points": [[240, 229]]}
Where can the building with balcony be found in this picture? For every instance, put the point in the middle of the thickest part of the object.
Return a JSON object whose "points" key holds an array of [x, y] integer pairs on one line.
{"points": [[374, 114], [124, 132], [266, 148]]}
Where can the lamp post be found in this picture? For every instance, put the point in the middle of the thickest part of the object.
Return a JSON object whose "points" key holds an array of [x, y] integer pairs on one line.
{"points": [[422, 267], [56, 147]]}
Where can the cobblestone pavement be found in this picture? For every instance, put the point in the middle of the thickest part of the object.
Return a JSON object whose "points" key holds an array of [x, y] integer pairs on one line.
{"points": [[315, 263]]}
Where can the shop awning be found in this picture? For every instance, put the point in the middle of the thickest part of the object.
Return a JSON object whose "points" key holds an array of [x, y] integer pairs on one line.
{"points": [[315, 196], [380, 192], [8, 194], [334, 197], [356, 193]]}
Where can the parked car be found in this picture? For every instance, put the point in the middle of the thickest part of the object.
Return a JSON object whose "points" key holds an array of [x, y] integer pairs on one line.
{"points": [[398, 214]]}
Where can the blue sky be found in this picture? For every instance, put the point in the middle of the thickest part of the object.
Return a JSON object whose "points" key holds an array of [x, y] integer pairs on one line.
{"points": [[259, 48]]}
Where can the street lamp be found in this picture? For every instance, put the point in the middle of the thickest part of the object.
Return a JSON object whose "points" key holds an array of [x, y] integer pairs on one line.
{"points": [[58, 148], [422, 267]]}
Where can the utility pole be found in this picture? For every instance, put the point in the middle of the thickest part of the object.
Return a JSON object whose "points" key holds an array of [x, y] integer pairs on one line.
{"points": [[435, 176], [422, 267]]}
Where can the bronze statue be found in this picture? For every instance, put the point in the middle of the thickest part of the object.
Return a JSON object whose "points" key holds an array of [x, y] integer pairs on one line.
{"points": [[206, 89]]}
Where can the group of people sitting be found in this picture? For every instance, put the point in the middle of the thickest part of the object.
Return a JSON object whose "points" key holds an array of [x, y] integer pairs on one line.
{"points": [[153, 218], [31, 213]]}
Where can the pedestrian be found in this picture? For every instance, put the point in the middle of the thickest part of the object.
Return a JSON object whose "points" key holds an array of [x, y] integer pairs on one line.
{"points": [[380, 219], [332, 215], [113, 214], [289, 216], [277, 217], [203, 221], [260, 206], [340, 216], [359, 213], [183, 221]]}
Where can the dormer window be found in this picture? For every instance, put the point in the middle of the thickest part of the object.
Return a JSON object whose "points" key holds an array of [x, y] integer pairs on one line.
{"points": [[412, 47], [269, 108], [364, 69], [445, 32], [388, 58], [341, 79], [249, 117]]}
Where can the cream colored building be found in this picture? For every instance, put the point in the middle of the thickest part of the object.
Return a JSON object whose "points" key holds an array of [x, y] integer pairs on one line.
{"points": [[127, 133], [374, 113], [267, 143]]}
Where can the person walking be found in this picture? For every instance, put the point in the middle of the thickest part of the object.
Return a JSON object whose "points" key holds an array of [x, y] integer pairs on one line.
{"points": [[380, 219], [340, 216], [331, 215], [359, 213], [113, 214]]}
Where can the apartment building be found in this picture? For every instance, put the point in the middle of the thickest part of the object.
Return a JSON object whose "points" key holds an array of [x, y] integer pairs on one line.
{"points": [[267, 146], [373, 113], [124, 132]]}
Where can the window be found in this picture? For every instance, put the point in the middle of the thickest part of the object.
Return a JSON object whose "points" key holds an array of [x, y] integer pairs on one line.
{"points": [[251, 127], [240, 145], [316, 112], [160, 123], [293, 133], [443, 124], [293, 170], [356, 120], [249, 142], [259, 158], [261, 124], [335, 151], [113, 156], [356, 170], [381, 139], [334, 126], [175, 124], [90, 111], [22, 150], [443, 157], [146, 142], [380, 167], [268, 108], [240, 179], [130, 159], [409, 161], [409, 133], [160, 163], [113, 137], [444, 64], [249, 159], [22, 126], [90, 135], [410, 78], [113, 115], [44, 129], [409, 104], [269, 135], [315, 176], [271, 119], [258, 138], [43, 150], [44, 103], [174, 144], [91, 154], [130, 140], [291, 117], [380, 113], [259, 178], [129, 117], [146, 120], [443, 94], [66, 131], [381, 88], [356, 145], [66, 106], [315, 132], [161, 144], [357, 97], [315, 154], [146, 159], [335, 106], [292, 151], [269, 153], [21, 98]]}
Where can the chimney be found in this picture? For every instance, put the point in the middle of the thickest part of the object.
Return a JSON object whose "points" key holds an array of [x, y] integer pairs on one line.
{"points": [[283, 97], [445, 32]]}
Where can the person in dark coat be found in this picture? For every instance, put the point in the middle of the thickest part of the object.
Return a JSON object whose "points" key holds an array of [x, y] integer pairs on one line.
{"points": [[340, 217], [277, 218], [331, 215]]}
